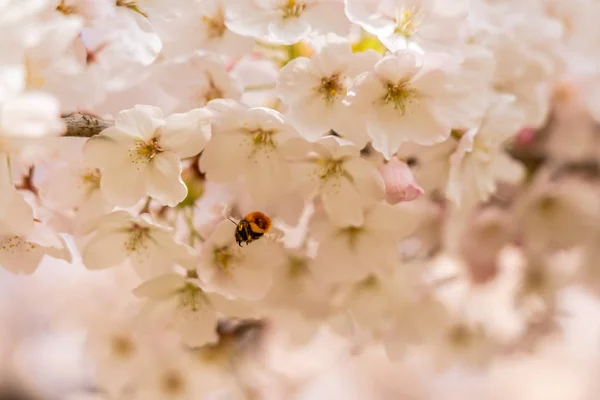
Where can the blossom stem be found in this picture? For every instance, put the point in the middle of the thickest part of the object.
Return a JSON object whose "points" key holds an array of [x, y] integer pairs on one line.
{"points": [[257, 88]]}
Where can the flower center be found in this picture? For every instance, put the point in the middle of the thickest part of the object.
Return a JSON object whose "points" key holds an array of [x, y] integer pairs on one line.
{"points": [[331, 87], [144, 152], [407, 21], [132, 5], [34, 78], [173, 382], [136, 240], [297, 266], [16, 245], [191, 297], [215, 25], [122, 346], [400, 95], [213, 92], [223, 257], [292, 9], [66, 9], [331, 168], [352, 233], [262, 139], [460, 336], [91, 178]]}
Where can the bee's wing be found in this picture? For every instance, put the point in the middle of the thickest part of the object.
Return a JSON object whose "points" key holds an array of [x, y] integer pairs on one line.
{"points": [[275, 234]]}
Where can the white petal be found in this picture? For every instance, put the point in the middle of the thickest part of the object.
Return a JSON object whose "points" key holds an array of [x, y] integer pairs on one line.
{"points": [[186, 134], [151, 260], [288, 31], [327, 16], [105, 250], [19, 256], [366, 179], [267, 176], [197, 328], [225, 157], [140, 121], [124, 184], [164, 179], [342, 202], [160, 287]]}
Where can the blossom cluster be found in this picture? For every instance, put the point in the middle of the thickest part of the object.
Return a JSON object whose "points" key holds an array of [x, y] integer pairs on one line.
{"points": [[411, 154]]}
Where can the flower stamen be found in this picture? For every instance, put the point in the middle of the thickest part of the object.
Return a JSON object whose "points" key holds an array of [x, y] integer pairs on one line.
{"points": [[292, 9], [407, 21], [400, 95], [331, 87], [144, 152]]}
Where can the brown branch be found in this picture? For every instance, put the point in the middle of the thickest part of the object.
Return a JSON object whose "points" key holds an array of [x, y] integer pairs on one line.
{"points": [[84, 125]]}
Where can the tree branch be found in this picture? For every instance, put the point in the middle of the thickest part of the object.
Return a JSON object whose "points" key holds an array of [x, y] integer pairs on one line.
{"points": [[84, 125]]}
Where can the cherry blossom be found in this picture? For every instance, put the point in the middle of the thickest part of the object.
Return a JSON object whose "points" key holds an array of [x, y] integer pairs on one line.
{"points": [[401, 24], [198, 79], [246, 142], [334, 170], [119, 236], [400, 184], [480, 161], [142, 153], [238, 272], [285, 21], [402, 103], [347, 252], [180, 303]]}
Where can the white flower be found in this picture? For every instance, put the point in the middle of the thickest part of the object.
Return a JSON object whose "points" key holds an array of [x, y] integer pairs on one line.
{"points": [[240, 272], [141, 154], [286, 21], [351, 253], [334, 170], [119, 236], [16, 215], [247, 142], [70, 185], [182, 304], [202, 27], [399, 24], [197, 79], [22, 254], [314, 90], [481, 160], [414, 97]]}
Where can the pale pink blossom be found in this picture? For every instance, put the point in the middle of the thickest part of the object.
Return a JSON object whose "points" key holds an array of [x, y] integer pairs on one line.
{"points": [[238, 272], [314, 89], [286, 21], [197, 79], [178, 302], [119, 237], [400, 184], [247, 143], [142, 154], [401, 24], [333, 170], [417, 98]]}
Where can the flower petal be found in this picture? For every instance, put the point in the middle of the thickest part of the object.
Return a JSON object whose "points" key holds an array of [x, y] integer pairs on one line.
{"points": [[342, 202], [164, 179], [105, 250], [186, 134], [140, 121]]}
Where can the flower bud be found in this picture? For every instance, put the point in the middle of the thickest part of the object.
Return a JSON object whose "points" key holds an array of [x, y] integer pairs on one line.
{"points": [[399, 182]]}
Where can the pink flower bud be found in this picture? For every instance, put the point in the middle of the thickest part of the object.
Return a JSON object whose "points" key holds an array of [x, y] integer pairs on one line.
{"points": [[525, 136], [399, 181]]}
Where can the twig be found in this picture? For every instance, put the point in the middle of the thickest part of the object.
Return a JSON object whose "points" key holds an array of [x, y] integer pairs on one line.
{"points": [[84, 125]]}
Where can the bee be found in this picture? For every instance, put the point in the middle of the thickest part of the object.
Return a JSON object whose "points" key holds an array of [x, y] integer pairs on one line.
{"points": [[252, 227]]}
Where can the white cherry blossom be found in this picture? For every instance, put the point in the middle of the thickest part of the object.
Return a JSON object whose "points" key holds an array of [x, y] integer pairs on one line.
{"points": [[314, 90], [21, 254], [16, 215], [333, 169], [286, 21], [203, 27], [197, 79], [142, 152], [119, 237], [480, 159], [71, 185], [246, 142], [179, 302], [401, 24], [417, 98], [239, 272], [349, 253]]}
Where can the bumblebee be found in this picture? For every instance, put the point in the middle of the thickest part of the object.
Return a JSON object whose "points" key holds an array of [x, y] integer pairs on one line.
{"points": [[252, 227]]}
